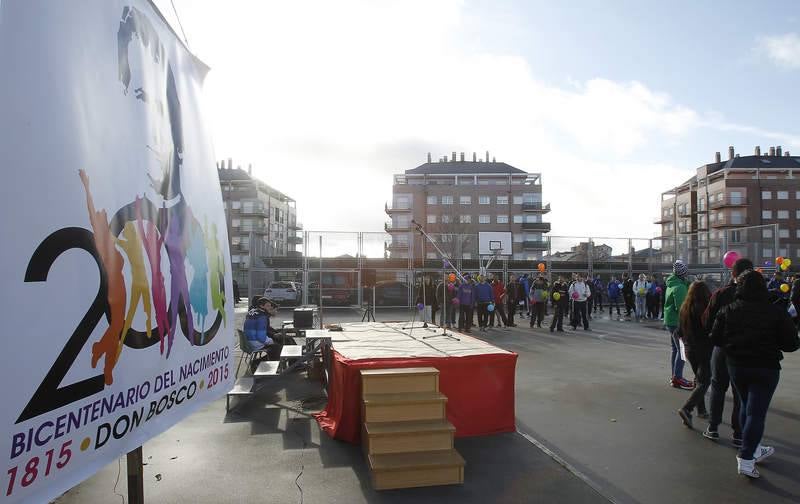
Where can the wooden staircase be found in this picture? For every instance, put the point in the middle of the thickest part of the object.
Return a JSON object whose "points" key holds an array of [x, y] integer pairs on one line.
{"points": [[406, 437]]}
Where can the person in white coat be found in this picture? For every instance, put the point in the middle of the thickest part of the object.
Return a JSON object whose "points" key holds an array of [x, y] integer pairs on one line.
{"points": [[579, 293], [640, 288]]}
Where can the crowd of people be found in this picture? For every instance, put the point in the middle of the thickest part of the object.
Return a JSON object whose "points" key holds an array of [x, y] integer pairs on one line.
{"points": [[733, 338], [576, 298]]}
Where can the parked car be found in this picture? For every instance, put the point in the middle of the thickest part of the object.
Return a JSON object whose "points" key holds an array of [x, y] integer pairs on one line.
{"points": [[284, 292], [388, 293]]}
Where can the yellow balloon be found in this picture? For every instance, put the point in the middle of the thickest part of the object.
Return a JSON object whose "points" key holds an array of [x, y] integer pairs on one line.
{"points": [[787, 262], [556, 296], [784, 288]]}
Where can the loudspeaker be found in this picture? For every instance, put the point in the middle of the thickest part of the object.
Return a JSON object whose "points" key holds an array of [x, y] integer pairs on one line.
{"points": [[304, 317]]}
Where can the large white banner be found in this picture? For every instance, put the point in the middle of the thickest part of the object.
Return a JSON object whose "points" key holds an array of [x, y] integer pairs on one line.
{"points": [[116, 288]]}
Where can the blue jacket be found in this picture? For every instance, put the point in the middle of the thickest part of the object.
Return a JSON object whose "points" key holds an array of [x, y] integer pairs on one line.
{"points": [[483, 292], [256, 329], [774, 286], [613, 290]]}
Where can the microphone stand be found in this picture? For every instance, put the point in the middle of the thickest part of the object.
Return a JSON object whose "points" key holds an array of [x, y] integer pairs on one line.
{"points": [[450, 263]]}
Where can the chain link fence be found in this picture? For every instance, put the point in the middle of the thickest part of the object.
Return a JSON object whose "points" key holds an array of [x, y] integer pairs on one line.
{"points": [[384, 268]]}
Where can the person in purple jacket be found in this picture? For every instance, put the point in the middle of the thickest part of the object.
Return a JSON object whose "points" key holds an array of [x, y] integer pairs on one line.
{"points": [[466, 299]]}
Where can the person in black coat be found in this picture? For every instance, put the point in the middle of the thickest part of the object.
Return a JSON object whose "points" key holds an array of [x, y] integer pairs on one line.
{"points": [[561, 304], [753, 333], [698, 348]]}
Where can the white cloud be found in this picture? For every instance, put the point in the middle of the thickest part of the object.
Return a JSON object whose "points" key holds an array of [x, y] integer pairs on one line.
{"points": [[783, 50], [328, 99]]}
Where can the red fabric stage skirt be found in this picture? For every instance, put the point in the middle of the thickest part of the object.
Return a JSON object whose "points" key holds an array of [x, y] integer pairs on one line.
{"points": [[479, 390]]}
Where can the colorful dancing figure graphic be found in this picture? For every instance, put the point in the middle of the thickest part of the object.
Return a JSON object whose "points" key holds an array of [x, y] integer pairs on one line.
{"points": [[152, 241], [112, 264], [176, 243], [140, 290], [198, 291], [216, 269]]}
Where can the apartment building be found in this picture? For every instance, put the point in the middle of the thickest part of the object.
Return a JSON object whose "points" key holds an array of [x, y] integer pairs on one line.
{"points": [[454, 199], [747, 203], [260, 218]]}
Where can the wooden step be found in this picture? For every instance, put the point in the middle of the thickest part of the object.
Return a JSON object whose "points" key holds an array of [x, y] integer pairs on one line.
{"points": [[408, 470], [396, 380], [401, 437], [291, 351], [267, 368], [403, 407]]}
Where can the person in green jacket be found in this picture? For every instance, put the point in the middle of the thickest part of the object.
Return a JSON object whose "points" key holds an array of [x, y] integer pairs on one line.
{"points": [[677, 287]]}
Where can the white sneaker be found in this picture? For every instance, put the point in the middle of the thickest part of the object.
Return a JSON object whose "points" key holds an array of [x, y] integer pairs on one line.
{"points": [[762, 452], [747, 467]]}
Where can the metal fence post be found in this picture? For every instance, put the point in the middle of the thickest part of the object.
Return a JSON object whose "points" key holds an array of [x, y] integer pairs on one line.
{"points": [[590, 261], [630, 257]]}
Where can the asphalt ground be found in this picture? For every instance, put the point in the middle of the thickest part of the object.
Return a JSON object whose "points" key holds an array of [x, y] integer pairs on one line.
{"points": [[596, 423]]}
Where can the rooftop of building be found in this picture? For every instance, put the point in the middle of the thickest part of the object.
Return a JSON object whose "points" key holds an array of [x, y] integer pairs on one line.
{"points": [[465, 167], [240, 175]]}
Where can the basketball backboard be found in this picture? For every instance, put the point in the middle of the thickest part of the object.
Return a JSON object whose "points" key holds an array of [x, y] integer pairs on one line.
{"points": [[493, 243]]}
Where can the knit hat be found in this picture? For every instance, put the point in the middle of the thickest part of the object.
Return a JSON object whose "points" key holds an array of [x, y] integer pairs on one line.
{"points": [[680, 269]]}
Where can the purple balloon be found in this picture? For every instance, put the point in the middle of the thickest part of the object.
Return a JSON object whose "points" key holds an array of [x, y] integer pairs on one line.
{"points": [[420, 306]]}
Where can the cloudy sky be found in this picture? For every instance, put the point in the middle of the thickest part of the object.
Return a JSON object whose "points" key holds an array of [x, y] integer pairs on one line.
{"points": [[613, 102]]}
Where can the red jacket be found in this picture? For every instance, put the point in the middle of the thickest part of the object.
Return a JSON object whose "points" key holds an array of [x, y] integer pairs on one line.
{"points": [[499, 290]]}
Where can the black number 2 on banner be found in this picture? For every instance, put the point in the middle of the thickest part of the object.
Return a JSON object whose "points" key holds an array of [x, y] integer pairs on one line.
{"points": [[49, 395]]}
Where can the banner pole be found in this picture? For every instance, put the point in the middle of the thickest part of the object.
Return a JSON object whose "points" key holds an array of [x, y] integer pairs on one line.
{"points": [[135, 476]]}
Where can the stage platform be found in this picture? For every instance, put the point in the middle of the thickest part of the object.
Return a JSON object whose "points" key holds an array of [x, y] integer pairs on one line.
{"points": [[476, 377]]}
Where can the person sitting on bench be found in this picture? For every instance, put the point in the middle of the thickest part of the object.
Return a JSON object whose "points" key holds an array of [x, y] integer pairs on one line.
{"points": [[260, 336]]}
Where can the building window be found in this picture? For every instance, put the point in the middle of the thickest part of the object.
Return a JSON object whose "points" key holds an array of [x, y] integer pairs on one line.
{"points": [[502, 200], [483, 200], [783, 233], [767, 252], [431, 200], [447, 200], [465, 219], [235, 222], [502, 219], [797, 214], [520, 256], [701, 204], [465, 200], [466, 255], [432, 255], [517, 200], [431, 219], [798, 235], [783, 194], [517, 219], [783, 214], [446, 219], [782, 252], [797, 195], [484, 219], [518, 238], [766, 195], [766, 233], [236, 205], [766, 214]]}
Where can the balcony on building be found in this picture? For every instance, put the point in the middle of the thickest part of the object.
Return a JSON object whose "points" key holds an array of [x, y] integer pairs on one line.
{"points": [[394, 246], [294, 240], [260, 210], [535, 245], [729, 221], [544, 227], [254, 228], [396, 228], [664, 219], [397, 208], [685, 211], [536, 207], [729, 201], [295, 226]]}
